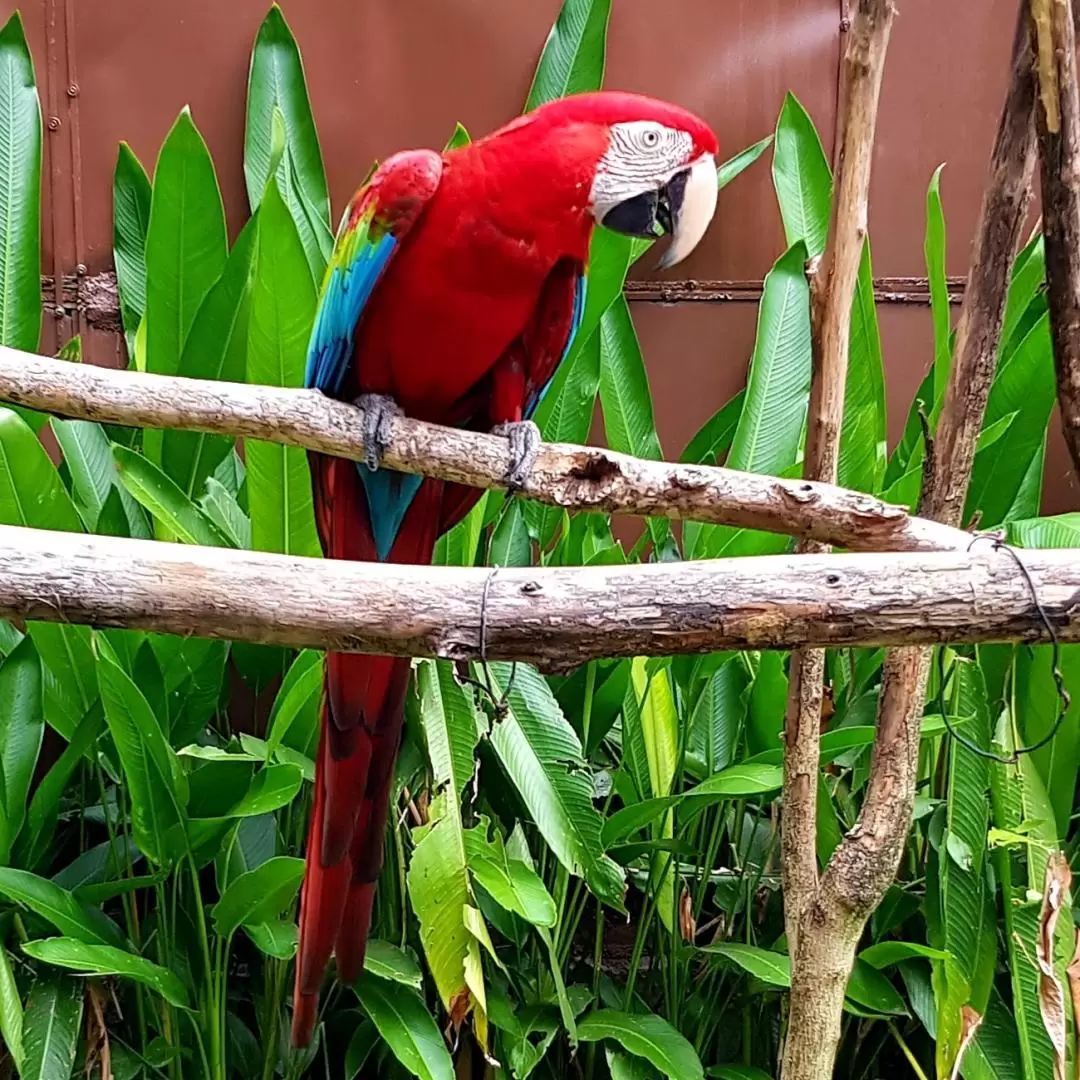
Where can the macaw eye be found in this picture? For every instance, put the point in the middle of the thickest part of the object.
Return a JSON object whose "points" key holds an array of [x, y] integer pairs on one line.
{"points": [[650, 137]]}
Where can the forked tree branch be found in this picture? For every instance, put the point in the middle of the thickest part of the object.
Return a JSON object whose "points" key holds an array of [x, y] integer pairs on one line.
{"points": [[575, 477], [833, 287], [864, 865], [556, 618]]}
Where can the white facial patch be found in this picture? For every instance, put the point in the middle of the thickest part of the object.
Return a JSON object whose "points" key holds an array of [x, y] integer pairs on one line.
{"points": [[642, 156]]}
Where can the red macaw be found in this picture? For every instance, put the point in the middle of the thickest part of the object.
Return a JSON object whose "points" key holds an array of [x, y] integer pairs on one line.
{"points": [[455, 288]]}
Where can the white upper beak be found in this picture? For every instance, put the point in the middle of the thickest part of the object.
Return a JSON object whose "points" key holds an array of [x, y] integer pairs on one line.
{"points": [[695, 213]]}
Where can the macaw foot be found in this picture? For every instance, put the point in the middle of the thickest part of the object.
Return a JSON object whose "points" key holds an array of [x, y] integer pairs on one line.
{"points": [[380, 411], [524, 439]]}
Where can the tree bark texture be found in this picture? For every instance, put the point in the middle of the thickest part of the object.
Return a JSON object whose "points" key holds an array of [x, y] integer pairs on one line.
{"points": [[833, 288], [1057, 118], [865, 863], [556, 618], [574, 477]]}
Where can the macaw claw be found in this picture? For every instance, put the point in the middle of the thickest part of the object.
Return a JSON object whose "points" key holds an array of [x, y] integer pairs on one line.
{"points": [[524, 439], [380, 412]]}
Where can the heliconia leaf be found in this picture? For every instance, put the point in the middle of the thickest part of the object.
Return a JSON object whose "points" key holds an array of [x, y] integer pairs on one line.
{"points": [[282, 311], [735, 166], [131, 219], [186, 246], [277, 938], [1062, 531], [387, 961], [51, 1023], [407, 1027], [438, 878], [259, 895], [886, 953], [770, 428], [542, 755], [152, 489], [770, 967], [105, 960], [645, 1035], [802, 178], [88, 456], [573, 56], [459, 138], [276, 80], [20, 192], [511, 544], [216, 348], [935, 252], [294, 717], [872, 991], [58, 907], [22, 727], [512, 884]]}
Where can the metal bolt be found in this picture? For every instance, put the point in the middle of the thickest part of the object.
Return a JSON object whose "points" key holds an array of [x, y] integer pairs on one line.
{"points": [[80, 270], [73, 90], [54, 123], [59, 312]]}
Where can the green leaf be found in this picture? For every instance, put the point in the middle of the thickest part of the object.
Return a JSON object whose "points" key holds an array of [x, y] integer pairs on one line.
{"points": [[259, 895], [22, 727], [294, 719], [737, 1072], [770, 429], [59, 907], [276, 80], [216, 348], [406, 1026], [386, 961], [155, 779], [625, 398], [1062, 531], [105, 960], [88, 457], [459, 138], [542, 755], [512, 884], [282, 311], [276, 938], [886, 953], [802, 179], [935, 254], [438, 878], [20, 192], [51, 1026], [11, 1012], [511, 544], [151, 488], [186, 246], [735, 166], [131, 219], [770, 967], [645, 1035], [224, 511], [871, 990], [712, 443], [573, 58]]}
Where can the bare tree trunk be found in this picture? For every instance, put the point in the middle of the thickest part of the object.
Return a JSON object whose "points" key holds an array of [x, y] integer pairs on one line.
{"points": [[864, 865], [1057, 118]]}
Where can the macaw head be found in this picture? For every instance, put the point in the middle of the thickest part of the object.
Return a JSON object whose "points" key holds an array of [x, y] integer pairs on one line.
{"points": [[651, 165]]}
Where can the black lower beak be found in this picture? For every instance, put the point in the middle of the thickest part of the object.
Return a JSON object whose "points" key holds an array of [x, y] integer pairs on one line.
{"points": [[652, 213]]}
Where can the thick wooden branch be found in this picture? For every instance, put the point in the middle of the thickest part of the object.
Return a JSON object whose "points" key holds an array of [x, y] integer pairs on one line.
{"points": [[1057, 117], [575, 477], [816, 1006], [556, 617]]}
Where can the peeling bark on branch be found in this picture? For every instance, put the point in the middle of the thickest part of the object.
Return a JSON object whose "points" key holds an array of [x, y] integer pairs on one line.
{"points": [[1058, 124], [555, 617], [575, 477]]}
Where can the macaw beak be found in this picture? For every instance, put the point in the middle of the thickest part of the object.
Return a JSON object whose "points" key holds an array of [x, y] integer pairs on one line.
{"points": [[681, 208]]}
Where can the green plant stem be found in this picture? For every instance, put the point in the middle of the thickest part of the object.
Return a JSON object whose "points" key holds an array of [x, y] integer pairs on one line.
{"points": [[210, 1010], [590, 690], [912, 1060]]}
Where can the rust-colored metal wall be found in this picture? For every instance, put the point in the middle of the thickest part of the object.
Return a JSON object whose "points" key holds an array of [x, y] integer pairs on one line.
{"points": [[385, 74]]}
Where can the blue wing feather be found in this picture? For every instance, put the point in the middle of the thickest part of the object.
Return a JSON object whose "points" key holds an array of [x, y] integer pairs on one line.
{"points": [[575, 325]]}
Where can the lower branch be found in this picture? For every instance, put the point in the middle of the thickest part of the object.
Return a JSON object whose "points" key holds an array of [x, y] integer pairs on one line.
{"points": [[556, 618]]}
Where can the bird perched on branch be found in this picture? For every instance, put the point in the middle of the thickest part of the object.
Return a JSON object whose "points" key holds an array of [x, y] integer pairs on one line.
{"points": [[455, 288]]}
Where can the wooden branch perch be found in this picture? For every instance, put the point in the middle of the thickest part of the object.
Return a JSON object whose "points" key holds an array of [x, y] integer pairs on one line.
{"points": [[556, 618], [576, 477], [1057, 118]]}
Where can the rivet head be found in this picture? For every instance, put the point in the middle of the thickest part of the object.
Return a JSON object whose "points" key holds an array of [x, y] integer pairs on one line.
{"points": [[59, 312], [80, 270], [54, 123], [73, 90]]}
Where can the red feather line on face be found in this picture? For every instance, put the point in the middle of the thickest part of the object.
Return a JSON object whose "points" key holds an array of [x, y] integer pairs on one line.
{"points": [[455, 287]]}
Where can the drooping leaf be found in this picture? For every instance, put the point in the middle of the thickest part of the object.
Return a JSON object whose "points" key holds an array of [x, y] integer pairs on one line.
{"points": [[388, 962], [282, 310], [105, 960], [51, 1028], [259, 895], [22, 727], [511, 883], [11, 1011], [408, 1028], [294, 717], [542, 755], [58, 907], [770, 967], [20, 192], [573, 56], [645, 1035]]}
